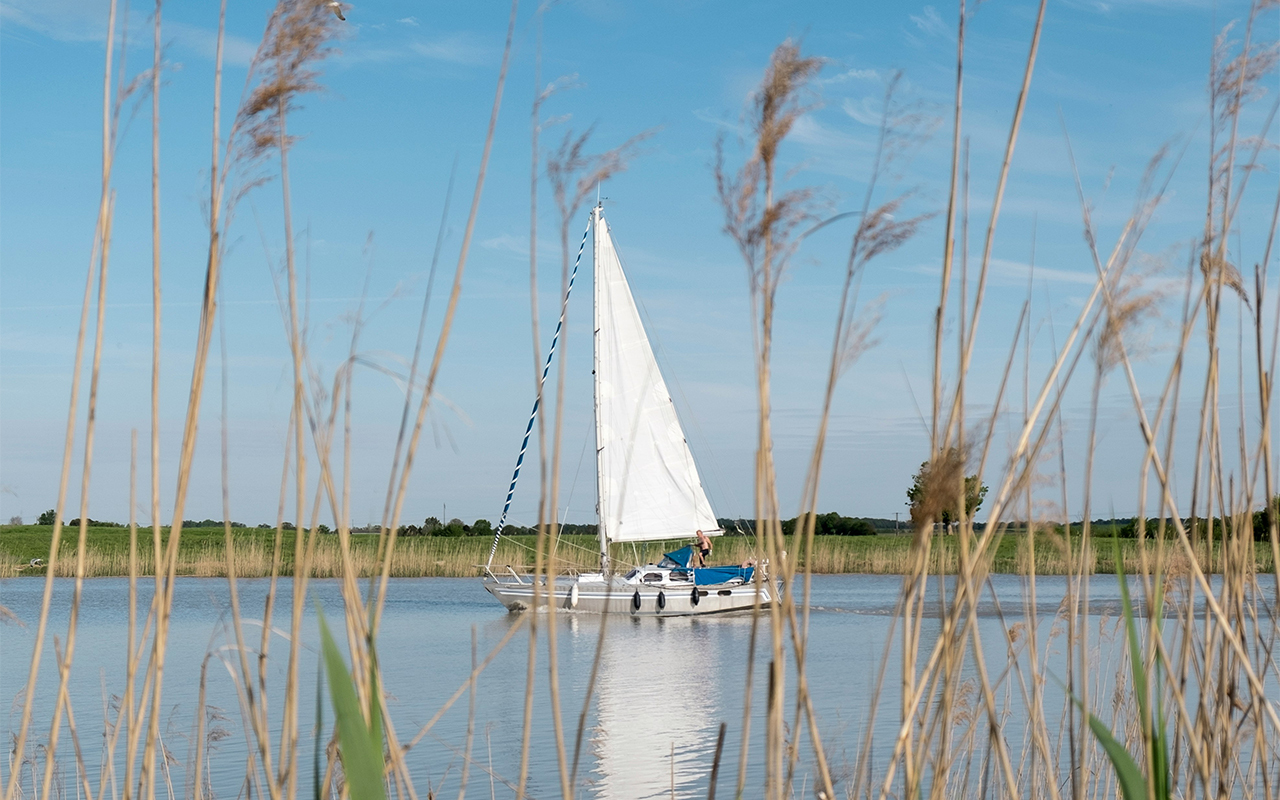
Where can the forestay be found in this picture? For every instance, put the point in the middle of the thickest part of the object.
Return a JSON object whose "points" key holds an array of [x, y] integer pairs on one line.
{"points": [[647, 483]]}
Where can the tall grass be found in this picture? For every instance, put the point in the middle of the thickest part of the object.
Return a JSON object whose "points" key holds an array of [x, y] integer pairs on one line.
{"points": [[203, 554], [1200, 651]]}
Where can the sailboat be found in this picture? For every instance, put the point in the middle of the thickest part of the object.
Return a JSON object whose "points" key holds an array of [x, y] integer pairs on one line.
{"points": [[647, 484]]}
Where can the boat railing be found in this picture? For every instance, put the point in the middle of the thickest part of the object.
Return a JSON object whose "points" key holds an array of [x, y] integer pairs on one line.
{"points": [[525, 572]]}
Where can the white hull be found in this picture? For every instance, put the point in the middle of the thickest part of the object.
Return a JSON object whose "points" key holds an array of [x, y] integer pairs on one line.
{"points": [[617, 596]]}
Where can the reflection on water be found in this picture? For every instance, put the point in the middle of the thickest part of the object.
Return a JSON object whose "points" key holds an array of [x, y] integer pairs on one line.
{"points": [[663, 687], [657, 698]]}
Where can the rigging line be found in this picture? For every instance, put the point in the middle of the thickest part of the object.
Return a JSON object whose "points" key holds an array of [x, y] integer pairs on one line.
{"points": [[537, 400], [581, 456], [563, 542]]}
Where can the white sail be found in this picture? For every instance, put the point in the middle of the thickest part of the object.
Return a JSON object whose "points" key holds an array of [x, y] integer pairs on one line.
{"points": [[648, 486]]}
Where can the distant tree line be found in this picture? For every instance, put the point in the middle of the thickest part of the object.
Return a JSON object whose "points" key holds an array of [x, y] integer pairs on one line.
{"points": [[567, 529], [432, 526], [50, 516], [1127, 527], [830, 524]]}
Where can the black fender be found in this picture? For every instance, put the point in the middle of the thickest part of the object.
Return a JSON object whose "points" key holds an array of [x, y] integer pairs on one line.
{"points": [[635, 601]]}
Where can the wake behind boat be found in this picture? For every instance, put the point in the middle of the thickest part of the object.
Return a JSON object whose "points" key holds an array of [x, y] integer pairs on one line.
{"points": [[647, 484]]}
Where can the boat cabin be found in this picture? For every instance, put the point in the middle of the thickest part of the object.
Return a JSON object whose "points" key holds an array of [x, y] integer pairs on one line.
{"points": [[674, 570]]}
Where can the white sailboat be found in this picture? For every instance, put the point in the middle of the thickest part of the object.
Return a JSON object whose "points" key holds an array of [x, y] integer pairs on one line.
{"points": [[647, 484]]}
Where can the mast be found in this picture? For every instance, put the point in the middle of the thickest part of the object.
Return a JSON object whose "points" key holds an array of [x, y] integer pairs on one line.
{"points": [[596, 221]]}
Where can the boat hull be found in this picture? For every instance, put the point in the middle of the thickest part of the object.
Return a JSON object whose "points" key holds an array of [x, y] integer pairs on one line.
{"points": [[617, 596]]}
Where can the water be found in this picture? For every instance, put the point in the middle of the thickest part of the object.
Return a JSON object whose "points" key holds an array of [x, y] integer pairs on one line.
{"points": [[663, 688]]}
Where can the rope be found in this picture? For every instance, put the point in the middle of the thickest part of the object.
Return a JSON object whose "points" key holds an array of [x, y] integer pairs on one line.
{"points": [[537, 401]]}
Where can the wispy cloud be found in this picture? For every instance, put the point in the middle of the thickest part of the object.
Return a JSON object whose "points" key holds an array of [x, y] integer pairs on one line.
{"points": [[930, 23], [236, 50], [852, 76], [1008, 272], [508, 243], [83, 21], [456, 48], [719, 120], [387, 43], [809, 132], [63, 20], [868, 110]]}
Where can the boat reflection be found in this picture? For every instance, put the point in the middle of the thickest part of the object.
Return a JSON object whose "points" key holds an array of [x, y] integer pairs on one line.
{"points": [[657, 700]]}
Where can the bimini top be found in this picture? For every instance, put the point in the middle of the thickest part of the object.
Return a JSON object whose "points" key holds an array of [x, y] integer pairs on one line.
{"points": [[705, 576]]}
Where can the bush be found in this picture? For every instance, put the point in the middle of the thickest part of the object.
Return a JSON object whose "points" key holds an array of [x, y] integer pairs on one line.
{"points": [[455, 528], [833, 524], [94, 523], [47, 518], [1262, 521]]}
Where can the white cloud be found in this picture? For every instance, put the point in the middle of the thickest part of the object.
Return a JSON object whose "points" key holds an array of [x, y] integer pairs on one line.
{"points": [[411, 21]]}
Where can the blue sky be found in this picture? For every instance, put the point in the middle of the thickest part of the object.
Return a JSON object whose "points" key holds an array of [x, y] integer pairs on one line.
{"points": [[410, 93]]}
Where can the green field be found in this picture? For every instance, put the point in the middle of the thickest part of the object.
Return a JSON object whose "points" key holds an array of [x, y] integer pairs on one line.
{"points": [[202, 552]]}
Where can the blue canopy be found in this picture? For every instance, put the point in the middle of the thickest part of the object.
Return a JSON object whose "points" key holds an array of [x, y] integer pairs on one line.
{"points": [[680, 558], [705, 576]]}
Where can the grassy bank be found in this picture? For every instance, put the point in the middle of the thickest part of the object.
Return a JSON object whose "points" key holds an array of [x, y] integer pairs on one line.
{"points": [[202, 553]]}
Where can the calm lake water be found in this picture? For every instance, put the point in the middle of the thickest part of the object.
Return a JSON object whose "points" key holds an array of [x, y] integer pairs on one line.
{"points": [[663, 688]]}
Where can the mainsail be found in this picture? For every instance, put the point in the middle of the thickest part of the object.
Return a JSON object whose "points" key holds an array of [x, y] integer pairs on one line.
{"points": [[647, 483]]}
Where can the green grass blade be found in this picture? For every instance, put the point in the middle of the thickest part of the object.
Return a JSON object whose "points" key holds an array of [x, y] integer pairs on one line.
{"points": [[361, 755], [319, 733], [375, 707], [1133, 786], [1136, 662]]}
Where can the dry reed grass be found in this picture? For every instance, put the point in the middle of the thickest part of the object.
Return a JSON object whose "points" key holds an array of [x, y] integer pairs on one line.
{"points": [[422, 557]]}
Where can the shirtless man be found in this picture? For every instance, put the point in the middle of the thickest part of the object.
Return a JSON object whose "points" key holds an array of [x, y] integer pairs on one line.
{"points": [[704, 548]]}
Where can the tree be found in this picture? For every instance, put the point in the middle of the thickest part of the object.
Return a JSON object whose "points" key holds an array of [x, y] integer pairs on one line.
{"points": [[430, 524], [1262, 520], [481, 527], [454, 528], [15, 520], [932, 491], [47, 518]]}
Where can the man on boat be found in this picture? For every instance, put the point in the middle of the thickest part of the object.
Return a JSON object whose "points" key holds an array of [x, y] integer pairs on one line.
{"points": [[704, 548]]}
